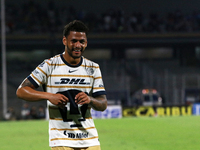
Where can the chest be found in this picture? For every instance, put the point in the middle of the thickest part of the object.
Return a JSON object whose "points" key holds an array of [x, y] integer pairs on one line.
{"points": [[65, 75]]}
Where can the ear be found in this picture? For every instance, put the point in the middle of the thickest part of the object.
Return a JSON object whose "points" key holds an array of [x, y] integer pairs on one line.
{"points": [[64, 40]]}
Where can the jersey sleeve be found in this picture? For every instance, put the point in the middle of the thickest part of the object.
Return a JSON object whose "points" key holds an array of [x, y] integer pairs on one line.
{"points": [[39, 76], [98, 86]]}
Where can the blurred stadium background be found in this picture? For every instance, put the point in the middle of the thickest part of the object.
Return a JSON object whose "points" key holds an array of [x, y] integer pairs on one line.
{"points": [[138, 45]]}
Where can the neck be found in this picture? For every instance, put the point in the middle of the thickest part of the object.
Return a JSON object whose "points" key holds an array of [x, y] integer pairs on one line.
{"points": [[71, 60]]}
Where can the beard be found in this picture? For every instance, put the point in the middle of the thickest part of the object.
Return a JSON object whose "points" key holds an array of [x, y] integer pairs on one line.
{"points": [[70, 52]]}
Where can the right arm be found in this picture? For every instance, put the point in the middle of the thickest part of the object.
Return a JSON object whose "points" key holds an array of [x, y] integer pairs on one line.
{"points": [[27, 91]]}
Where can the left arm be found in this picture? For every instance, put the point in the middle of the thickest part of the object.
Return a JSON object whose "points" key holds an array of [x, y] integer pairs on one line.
{"points": [[98, 103]]}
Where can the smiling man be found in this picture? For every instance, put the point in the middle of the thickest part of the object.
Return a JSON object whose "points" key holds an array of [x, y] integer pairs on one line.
{"points": [[72, 86]]}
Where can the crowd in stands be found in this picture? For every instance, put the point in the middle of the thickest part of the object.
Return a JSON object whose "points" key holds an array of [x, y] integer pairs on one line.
{"points": [[26, 113], [33, 17], [32, 112]]}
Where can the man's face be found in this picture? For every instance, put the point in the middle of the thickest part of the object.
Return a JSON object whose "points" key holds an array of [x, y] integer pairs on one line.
{"points": [[75, 44]]}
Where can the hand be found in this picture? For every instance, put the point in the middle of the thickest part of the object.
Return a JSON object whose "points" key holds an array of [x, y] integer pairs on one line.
{"points": [[82, 98], [59, 100]]}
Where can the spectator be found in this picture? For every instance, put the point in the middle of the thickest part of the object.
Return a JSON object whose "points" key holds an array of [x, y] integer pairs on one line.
{"points": [[25, 112], [33, 113], [41, 113], [10, 115]]}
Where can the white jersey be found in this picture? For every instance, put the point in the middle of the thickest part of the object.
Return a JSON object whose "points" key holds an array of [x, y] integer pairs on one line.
{"points": [[72, 126]]}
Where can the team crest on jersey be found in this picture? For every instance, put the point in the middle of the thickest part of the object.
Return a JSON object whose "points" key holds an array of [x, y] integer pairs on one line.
{"points": [[101, 85], [35, 72], [90, 71], [42, 64]]}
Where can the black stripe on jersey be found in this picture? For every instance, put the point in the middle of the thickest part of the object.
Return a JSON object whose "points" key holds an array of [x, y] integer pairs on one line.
{"points": [[32, 81], [98, 93], [61, 56]]}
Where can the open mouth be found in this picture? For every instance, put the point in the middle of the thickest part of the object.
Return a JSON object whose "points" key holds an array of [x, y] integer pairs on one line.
{"points": [[77, 50]]}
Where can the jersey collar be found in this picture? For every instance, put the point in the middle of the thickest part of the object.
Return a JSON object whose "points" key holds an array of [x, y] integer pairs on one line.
{"points": [[61, 55]]}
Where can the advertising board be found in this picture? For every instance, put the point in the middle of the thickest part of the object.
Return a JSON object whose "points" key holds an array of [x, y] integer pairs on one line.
{"points": [[113, 111], [196, 109], [158, 111]]}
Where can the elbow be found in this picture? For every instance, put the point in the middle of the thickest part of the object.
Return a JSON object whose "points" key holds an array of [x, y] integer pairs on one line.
{"points": [[103, 109], [104, 106], [18, 93]]}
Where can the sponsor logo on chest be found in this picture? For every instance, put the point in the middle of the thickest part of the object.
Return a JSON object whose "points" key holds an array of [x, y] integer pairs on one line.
{"points": [[73, 81], [76, 135]]}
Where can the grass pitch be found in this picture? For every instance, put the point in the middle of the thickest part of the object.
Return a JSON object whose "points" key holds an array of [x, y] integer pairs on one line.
{"points": [[144, 133]]}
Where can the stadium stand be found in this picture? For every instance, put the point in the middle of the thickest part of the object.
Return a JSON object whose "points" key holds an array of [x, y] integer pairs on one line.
{"points": [[35, 17]]}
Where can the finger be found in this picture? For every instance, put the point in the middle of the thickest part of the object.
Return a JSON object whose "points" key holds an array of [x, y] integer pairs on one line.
{"points": [[64, 102], [79, 95], [83, 101], [79, 99], [64, 99]]}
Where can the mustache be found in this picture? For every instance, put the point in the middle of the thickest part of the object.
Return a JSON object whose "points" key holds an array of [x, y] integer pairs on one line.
{"points": [[81, 49]]}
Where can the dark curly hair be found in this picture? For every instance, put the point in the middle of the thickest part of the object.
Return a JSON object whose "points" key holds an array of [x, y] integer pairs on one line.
{"points": [[75, 25]]}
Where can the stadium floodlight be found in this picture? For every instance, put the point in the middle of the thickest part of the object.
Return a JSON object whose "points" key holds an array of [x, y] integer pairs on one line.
{"points": [[3, 48]]}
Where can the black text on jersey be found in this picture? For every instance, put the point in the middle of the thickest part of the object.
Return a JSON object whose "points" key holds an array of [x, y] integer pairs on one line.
{"points": [[72, 81]]}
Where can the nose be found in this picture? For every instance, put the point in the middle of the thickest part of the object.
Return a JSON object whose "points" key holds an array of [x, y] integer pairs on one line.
{"points": [[77, 44]]}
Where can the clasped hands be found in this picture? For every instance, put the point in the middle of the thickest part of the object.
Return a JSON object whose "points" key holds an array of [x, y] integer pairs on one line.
{"points": [[61, 100]]}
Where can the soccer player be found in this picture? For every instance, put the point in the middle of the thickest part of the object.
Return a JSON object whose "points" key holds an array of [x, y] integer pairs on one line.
{"points": [[72, 86]]}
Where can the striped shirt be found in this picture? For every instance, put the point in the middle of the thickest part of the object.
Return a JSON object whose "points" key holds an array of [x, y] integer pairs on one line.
{"points": [[72, 126]]}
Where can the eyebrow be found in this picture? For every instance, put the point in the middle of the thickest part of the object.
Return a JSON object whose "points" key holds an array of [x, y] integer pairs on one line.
{"points": [[81, 40]]}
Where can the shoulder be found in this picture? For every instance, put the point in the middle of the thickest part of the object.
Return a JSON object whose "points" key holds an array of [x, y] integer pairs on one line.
{"points": [[53, 60], [90, 63]]}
